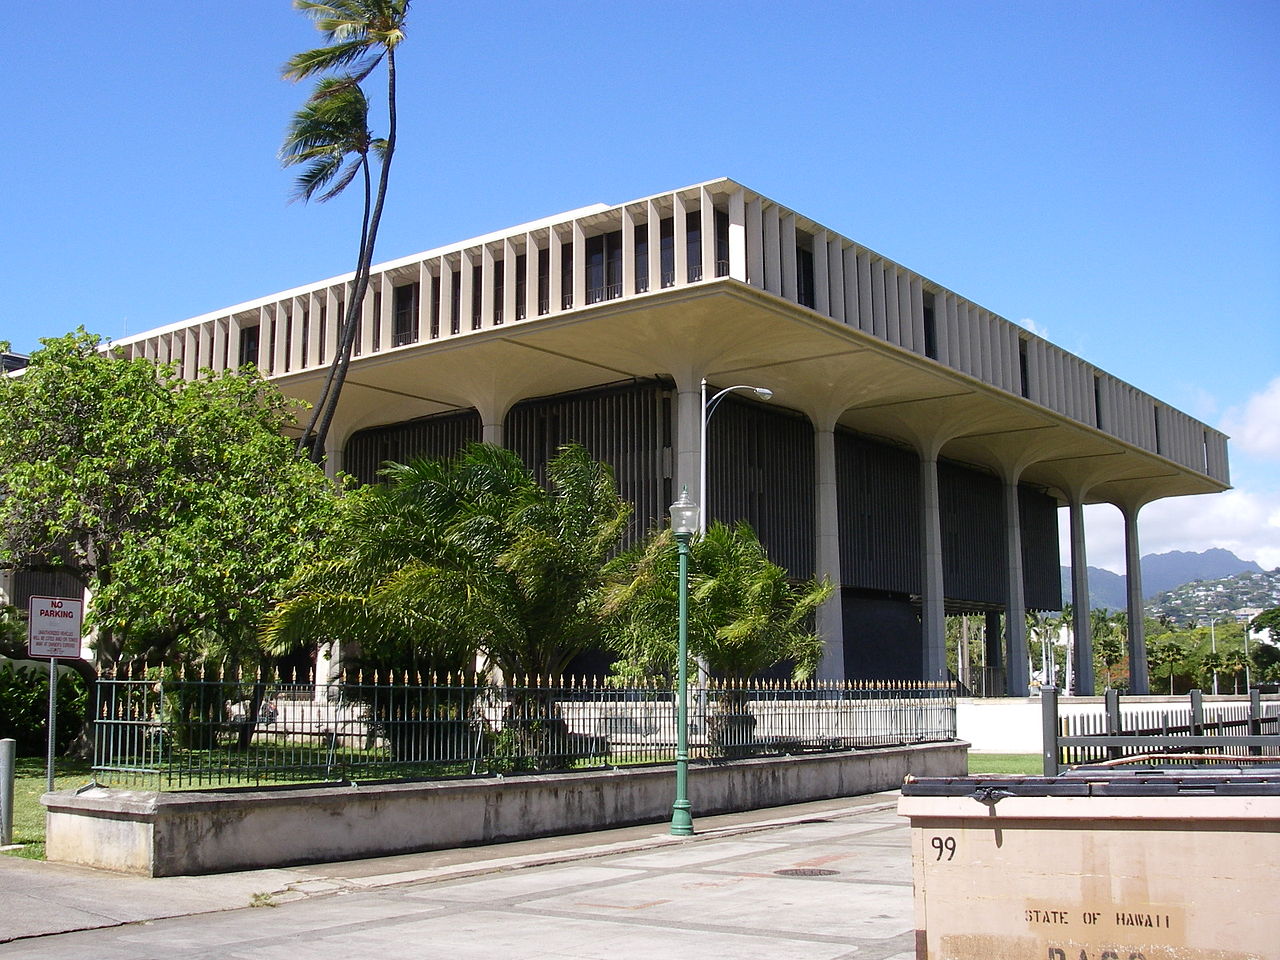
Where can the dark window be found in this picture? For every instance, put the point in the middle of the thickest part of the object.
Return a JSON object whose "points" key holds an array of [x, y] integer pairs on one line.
{"points": [[1155, 412], [604, 267], [477, 294], [930, 328], [1024, 369], [288, 342], [522, 287], [566, 276], [324, 318], [377, 321], [435, 308], [642, 258], [271, 347], [693, 244], [455, 305], [722, 244], [249, 340], [667, 250], [1097, 401], [804, 269], [544, 281], [499, 292], [406, 314]]}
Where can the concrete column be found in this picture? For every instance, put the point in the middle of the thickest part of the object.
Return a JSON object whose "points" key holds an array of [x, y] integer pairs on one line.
{"points": [[265, 319], [424, 301], [933, 624], [830, 616], [219, 345], [466, 288], [835, 279], [579, 265], [368, 319], [821, 282], [707, 216], [386, 311], [1015, 608], [1083, 686], [334, 445], [865, 311], [628, 252], [491, 431], [510, 280], [654, 229], [755, 243], [554, 294], [772, 250], [487, 271], [738, 235], [1139, 675], [680, 239], [787, 243], [447, 281], [878, 326], [530, 276], [688, 432]]}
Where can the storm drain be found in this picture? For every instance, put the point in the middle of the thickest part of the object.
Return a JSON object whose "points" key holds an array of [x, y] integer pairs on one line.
{"points": [[806, 872]]}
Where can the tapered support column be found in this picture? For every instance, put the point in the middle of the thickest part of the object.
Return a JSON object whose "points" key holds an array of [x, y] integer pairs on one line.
{"points": [[932, 612], [1083, 645], [830, 616], [1139, 676], [1015, 610], [688, 416], [491, 432]]}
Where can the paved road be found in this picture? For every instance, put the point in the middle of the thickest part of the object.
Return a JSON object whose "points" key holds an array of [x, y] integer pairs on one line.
{"points": [[823, 881]]}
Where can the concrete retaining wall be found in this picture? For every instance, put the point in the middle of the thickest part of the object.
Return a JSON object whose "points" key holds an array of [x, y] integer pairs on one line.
{"points": [[171, 834]]}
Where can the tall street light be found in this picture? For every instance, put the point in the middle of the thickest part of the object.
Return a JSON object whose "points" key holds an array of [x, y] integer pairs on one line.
{"points": [[708, 408], [684, 523]]}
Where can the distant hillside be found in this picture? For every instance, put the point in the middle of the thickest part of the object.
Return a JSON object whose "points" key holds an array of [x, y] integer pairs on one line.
{"points": [[1160, 572], [1240, 595]]}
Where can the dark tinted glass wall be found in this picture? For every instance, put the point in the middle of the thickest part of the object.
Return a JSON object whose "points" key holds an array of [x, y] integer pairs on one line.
{"points": [[442, 435], [623, 426], [879, 491], [760, 469]]}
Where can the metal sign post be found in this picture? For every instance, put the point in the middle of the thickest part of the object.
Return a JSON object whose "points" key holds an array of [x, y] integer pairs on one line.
{"points": [[53, 630]]}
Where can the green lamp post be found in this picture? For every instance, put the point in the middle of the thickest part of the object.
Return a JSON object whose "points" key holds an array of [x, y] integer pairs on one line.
{"points": [[684, 522]]}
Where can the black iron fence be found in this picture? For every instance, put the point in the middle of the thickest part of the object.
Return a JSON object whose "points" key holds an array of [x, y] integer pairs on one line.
{"points": [[177, 733], [1161, 734]]}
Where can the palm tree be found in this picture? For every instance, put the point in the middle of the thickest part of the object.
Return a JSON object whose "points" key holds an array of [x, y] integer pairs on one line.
{"points": [[745, 616], [360, 35], [450, 558]]}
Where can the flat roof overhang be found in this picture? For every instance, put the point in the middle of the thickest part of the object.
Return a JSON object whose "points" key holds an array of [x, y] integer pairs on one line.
{"points": [[733, 333]]}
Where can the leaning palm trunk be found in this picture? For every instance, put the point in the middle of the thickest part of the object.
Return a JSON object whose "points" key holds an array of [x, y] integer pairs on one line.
{"points": [[342, 360]]}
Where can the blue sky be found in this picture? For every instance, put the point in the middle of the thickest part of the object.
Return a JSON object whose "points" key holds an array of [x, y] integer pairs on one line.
{"points": [[1105, 173]]}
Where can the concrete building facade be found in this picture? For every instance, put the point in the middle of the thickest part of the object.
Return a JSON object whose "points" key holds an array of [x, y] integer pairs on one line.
{"points": [[915, 451]]}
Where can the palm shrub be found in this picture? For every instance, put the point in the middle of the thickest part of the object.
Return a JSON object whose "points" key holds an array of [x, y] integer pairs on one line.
{"points": [[745, 617], [450, 559]]}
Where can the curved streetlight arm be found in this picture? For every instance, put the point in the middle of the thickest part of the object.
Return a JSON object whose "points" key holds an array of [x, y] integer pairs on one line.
{"points": [[708, 408]]}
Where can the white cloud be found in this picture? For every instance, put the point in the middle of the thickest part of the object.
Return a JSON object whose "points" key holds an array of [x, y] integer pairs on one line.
{"points": [[1254, 427], [1029, 324]]}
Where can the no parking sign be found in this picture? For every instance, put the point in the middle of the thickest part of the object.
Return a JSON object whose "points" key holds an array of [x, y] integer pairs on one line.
{"points": [[53, 627]]}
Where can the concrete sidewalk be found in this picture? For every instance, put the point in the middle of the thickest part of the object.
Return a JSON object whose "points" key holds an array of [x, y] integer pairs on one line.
{"points": [[844, 886]]}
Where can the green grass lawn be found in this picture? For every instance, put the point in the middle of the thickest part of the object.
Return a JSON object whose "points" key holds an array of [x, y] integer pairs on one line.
{"points": [[29, 783], [1027, 764]]}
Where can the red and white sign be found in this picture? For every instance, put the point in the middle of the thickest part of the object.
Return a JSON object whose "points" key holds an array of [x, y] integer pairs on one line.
{"points": [[53, 629]]}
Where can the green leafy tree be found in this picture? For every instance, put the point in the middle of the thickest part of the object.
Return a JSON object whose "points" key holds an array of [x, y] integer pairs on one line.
{"points": [[179, 505], [1164, 655], [360, 35], [745, 615], [1268, 620]]}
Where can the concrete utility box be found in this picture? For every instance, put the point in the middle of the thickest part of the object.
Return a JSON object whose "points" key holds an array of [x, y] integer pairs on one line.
{"points": [[1097, 865]]}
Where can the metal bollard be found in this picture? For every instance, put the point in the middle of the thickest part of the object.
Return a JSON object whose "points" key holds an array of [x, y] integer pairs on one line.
{"points": [[8, 769]]}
